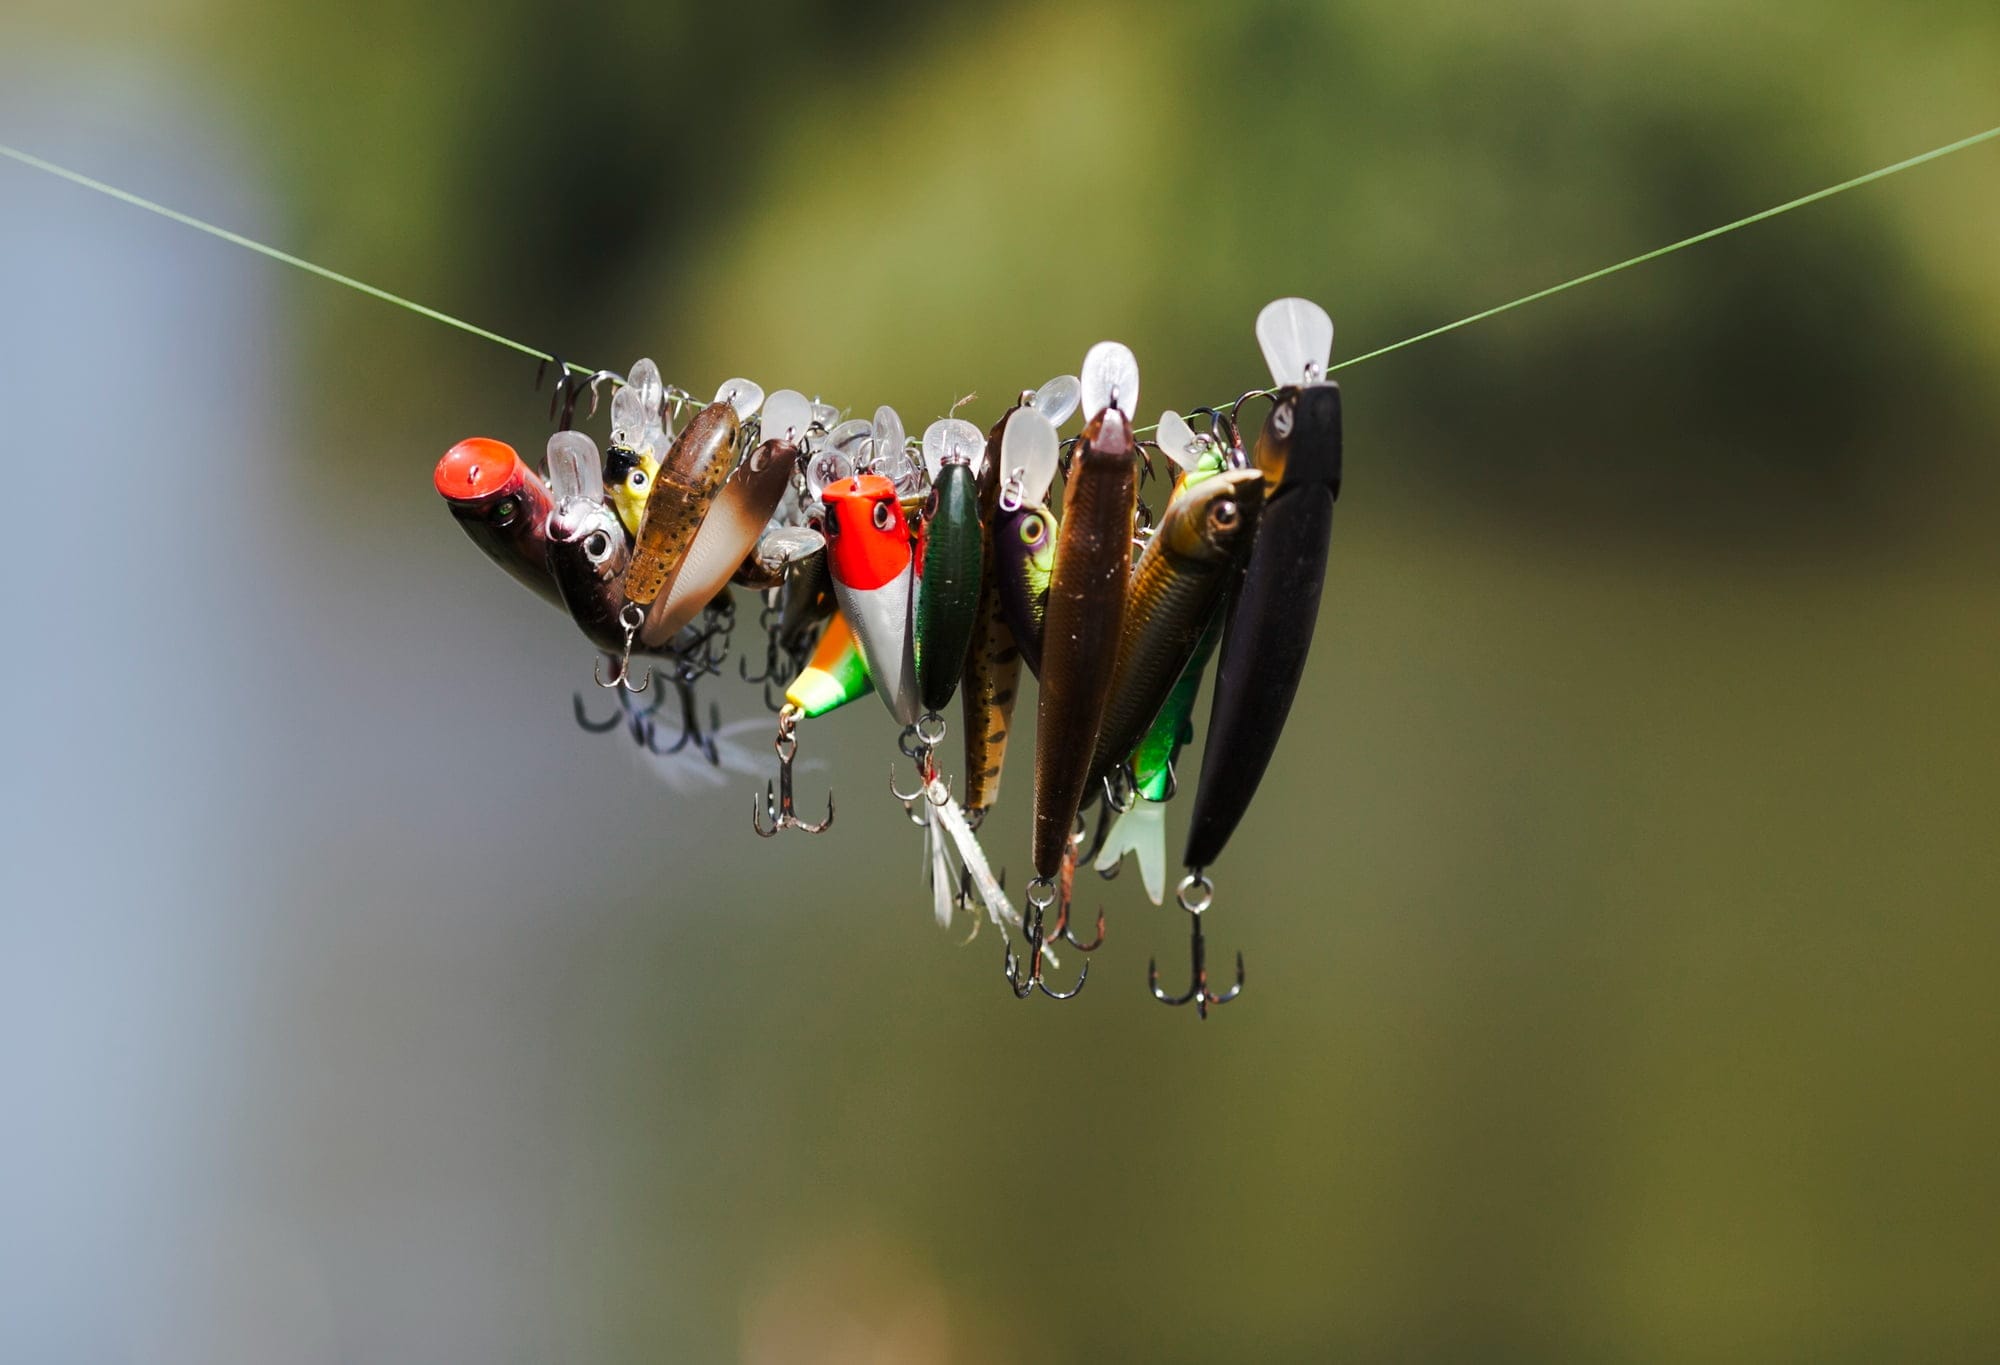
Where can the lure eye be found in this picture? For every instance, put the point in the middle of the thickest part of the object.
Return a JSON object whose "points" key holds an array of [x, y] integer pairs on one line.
{"points": [[597, 547], [504, 510], [1224, 516], [637, 479], [1031, 530], [883, 518]]}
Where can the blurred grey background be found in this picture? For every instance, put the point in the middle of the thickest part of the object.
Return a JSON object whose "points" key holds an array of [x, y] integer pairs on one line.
{"points": [[1619, 914]]}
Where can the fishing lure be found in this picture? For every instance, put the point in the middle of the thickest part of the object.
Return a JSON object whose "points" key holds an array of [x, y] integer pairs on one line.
{"points": [[588, 554], [1024, 530], [947, 606], [1085, 615], [693, 470], [735, 519], [1188, 564], [869, 553], [503, 507], [1269, 631], [639, 434]]}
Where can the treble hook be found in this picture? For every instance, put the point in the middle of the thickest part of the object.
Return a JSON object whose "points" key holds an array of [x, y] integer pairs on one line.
{"points": [[632, 617], [778, 809], [919, 743], [1041, 895], [1195, 895]]}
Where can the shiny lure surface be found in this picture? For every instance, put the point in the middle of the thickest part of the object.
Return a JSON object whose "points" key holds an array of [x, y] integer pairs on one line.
{"points": [[587, 547], [947, 605], [688, 479], [869, 554], [836, 675], [1270, 627], [1188, 565], [503, 507], [1024, 561], [1086, 602], [735, 519], [639, 436]]}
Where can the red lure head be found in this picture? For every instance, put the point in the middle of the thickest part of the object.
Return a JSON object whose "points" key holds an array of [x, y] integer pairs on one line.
{"points": [[477, 470], [867, 540]]}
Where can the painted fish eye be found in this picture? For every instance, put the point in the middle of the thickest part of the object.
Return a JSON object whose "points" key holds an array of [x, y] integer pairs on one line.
{"points": [[1031, 529], [1223, 516], [504, 510], [884, 519], [1281, 418], [597, 546], [636, 480]]}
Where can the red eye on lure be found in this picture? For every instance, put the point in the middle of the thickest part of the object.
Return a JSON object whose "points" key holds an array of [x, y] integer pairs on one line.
{"points": [[503, 507]]}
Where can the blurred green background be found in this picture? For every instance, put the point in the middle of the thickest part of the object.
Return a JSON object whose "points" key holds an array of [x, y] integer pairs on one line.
{"points": [[1620, 912]]}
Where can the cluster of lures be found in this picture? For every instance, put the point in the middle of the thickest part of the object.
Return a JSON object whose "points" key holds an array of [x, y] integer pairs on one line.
{"points": [[928, 570]]}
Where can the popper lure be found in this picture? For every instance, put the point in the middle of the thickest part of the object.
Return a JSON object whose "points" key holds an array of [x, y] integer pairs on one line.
{"points": [[503, 507], [869, 552]]}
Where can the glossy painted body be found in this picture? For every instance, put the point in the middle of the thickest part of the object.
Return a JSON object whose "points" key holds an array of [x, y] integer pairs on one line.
{"points": [[736, 519], [1156, 753], [628, 479], [1086, 612], [688, 479], [1024, 560], [993, 663], [503, 506], [806, 600], [947, 607], [588, 557], [836, 675], [1269, 632], [869, 553], [1187, 567]]}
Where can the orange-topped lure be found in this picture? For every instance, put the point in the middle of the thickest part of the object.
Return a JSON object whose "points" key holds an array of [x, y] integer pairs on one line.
{"points": [[869, 553], [503, 507]]}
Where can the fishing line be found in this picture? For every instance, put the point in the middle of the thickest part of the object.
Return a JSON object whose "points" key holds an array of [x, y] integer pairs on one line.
{"points": [[238, 239]]}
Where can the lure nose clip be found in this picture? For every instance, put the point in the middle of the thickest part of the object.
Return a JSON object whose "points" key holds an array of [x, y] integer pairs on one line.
{"points": [[1195, 895]]}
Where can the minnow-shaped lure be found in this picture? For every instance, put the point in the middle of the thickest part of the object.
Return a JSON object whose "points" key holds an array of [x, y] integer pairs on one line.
{"points": [[1188, 565], [587, 549], [869, 553], [735, 519], [689, 477], [503, 507], [947, 605], [1086, 604], [639, 436], [1269, 632]]}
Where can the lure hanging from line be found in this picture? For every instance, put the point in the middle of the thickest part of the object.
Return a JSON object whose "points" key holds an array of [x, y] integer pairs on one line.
{"points": [[1269, 631], [1025, 530], [1086, 608], [993, 664], [503, 507], [693, 470], [868, 551], [736, 518], [639, 436], [587, 549], [947, 605]]}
